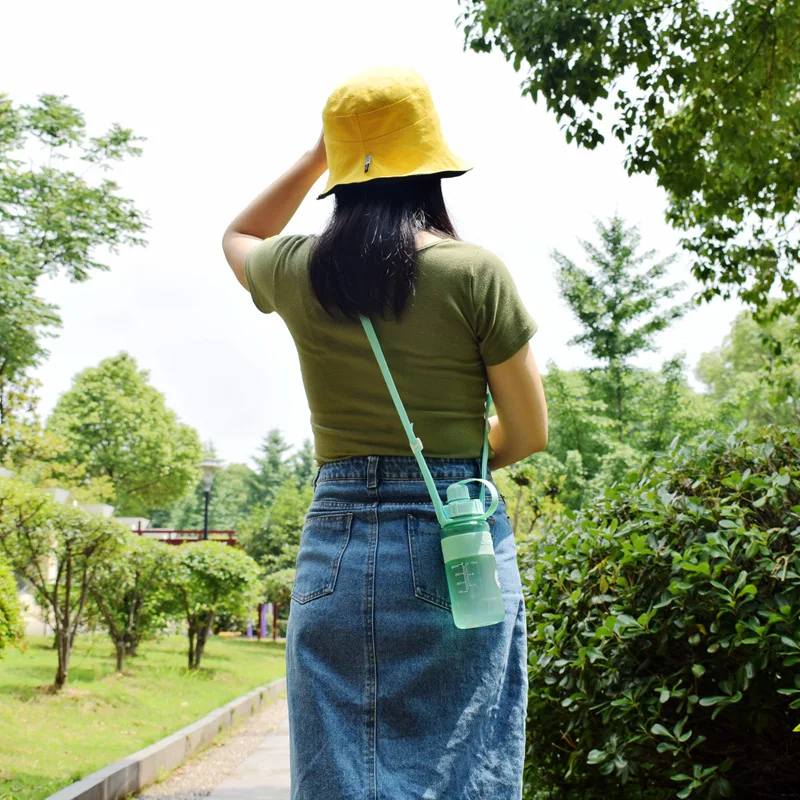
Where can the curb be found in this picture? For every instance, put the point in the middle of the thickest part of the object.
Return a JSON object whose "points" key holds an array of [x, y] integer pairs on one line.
{"points": [[134, 773]]}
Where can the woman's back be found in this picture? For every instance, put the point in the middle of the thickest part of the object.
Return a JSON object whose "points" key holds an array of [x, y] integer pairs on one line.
{"points": [[464, 314]]}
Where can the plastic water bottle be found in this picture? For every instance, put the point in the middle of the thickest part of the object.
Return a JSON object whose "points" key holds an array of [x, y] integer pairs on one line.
{"points": [[472, 577]]}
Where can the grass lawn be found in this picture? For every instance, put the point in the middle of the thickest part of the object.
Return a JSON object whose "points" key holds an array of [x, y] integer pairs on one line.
{"points": [[47, 741]]}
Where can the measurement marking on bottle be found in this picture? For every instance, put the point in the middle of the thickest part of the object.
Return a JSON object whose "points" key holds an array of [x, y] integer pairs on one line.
{"points": [[466, 576]]}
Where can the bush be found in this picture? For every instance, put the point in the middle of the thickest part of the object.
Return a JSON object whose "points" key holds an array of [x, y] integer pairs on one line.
{"points": [[664, 630], [210, 578], [278, 587]]}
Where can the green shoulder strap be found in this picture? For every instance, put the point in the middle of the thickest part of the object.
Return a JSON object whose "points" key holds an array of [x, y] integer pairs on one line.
{"points": [[415, 441]]}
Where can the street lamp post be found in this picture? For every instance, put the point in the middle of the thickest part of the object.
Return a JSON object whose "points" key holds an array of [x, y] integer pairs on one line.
{"points": [[208, 467]]}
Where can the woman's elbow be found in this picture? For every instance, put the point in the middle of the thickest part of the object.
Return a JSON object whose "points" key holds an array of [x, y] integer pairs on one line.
{"points": [[538, 443]]}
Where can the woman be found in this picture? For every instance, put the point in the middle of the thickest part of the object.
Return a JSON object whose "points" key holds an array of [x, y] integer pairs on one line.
{"points": [[387, 698]]}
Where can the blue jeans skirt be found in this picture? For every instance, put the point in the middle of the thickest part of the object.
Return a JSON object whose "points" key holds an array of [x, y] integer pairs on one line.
{"points": [[388, 699]]}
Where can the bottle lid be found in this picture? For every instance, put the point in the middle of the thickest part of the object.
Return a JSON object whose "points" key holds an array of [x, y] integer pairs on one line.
{"points": [[459, 503]]}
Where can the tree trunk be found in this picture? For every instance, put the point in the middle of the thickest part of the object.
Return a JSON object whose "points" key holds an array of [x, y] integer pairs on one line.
{"points": [[191, 644], [120, 648], [63, 647], [202, 636]]}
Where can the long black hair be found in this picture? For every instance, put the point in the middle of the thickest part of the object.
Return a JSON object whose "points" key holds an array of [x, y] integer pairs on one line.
{"points": [[365, 261]]}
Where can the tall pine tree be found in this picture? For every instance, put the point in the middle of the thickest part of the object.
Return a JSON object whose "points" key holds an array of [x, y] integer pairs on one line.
{"points": [[618, 305], [271, 468]]}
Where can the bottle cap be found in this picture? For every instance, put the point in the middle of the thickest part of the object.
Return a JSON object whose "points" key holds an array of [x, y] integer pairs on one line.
{"points": [[459, 503]]}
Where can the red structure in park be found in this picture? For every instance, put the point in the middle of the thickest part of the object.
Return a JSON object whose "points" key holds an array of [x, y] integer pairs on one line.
{"points": [[169, 536]]}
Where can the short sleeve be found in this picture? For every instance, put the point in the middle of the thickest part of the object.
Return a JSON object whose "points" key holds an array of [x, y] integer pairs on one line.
{"points": [[269, 267], [260, 266], [502, 323]]}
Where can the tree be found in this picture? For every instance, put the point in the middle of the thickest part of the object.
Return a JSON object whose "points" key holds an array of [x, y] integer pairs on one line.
{"points": [[51, 221], [584, 444], [302, 464], [577, 418], [706, 98], [34, 531], [271, 533], [278, 589], [132, 594], [755, 374], [24, 321], [117, 425], [11, 628], [271, 468], [211, 578], [617, 306]]}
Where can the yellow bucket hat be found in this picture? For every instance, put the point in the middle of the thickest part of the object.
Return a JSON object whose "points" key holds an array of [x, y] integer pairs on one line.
{"points": [[382, 123]]}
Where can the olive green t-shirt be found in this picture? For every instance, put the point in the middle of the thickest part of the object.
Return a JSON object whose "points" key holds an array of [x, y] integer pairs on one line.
{"points": [[465, 313]]}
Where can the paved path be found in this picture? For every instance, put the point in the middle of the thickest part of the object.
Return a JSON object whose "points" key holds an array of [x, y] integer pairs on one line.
{"points": [[250, 764], [264, 774]]}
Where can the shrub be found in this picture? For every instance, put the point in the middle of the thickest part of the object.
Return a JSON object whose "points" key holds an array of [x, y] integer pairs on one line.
{"points": [[210, 578], [278, 587], [664, 630], [131, 594]]}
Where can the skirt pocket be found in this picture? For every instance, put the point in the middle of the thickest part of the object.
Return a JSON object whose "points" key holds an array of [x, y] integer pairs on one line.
{"points": [[323, 541], [427, 561]]}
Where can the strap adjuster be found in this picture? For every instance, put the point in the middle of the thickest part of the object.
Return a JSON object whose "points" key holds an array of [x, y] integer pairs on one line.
{"points": [[418, 445]]}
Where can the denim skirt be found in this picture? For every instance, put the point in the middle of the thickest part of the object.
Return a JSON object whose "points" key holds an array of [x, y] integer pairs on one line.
{"points": [[388, 699]]}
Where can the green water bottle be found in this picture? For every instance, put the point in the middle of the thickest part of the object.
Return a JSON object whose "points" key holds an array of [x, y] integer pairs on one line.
{"points": [[472, 577]]}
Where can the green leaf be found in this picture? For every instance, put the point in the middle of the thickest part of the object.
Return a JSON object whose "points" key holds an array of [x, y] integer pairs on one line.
{"points": [[712, 701]]}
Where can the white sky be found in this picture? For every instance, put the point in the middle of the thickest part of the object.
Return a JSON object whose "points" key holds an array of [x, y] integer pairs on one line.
{"points": [[229, 96]]}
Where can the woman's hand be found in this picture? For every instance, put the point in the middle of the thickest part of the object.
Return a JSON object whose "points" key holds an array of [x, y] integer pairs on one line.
{"points": [[318, 154]]}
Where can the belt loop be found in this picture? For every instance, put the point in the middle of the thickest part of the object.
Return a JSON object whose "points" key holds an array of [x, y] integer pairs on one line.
{"points": [[316, 477], [372, 472]]}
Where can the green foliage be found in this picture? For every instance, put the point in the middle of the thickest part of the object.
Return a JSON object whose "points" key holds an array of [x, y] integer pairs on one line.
{"points": [[272, 468], [11, 625], [132, 593], [532, 488], [210, 578], [228, 503], [302, 464], [755, 374], [271, 533], [59, 550], [584, 435], [25, 319], [278, 587], [704, 96], [577, 417], [51, 220], [617, 307], [117, 425], [664, 625]]}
